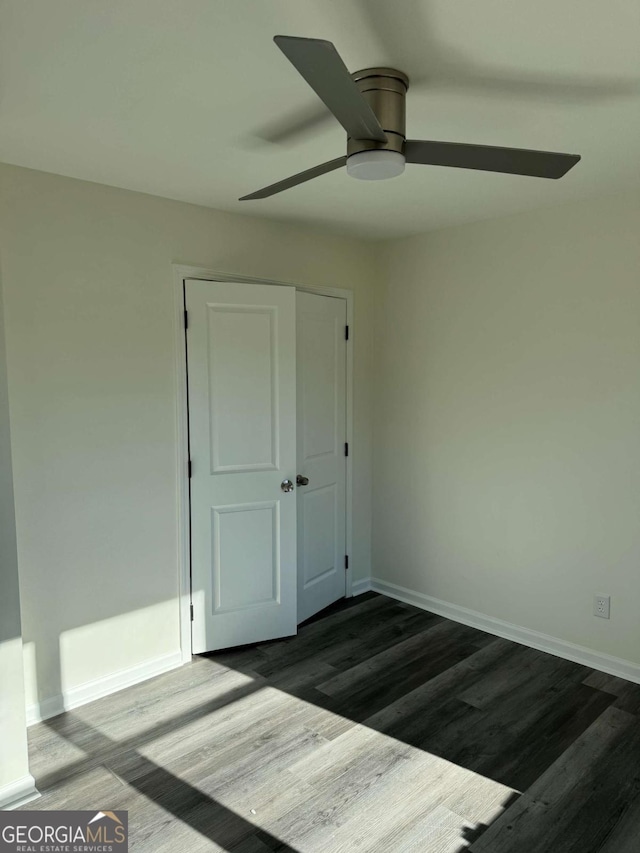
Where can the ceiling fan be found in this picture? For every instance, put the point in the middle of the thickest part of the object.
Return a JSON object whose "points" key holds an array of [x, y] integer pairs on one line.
{"points": [[370, 106]]}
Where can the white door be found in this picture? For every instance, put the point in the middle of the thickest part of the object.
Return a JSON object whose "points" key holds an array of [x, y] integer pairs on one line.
{"points": [[241, 352], [321, 371]]}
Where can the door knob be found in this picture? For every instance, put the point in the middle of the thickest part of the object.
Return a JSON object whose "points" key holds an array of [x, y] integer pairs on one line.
{"points": [[287, 485], [302, 481]]}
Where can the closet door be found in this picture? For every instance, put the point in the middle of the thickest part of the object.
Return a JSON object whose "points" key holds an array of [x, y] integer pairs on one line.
{"points": [[321, 396], [241, 351]]}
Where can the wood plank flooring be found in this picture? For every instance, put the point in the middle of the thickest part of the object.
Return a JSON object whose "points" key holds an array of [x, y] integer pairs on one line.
{"points": [[378, 728]]}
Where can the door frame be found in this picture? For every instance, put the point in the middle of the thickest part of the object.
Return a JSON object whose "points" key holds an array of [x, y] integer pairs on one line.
{"points": [[182, 272]]}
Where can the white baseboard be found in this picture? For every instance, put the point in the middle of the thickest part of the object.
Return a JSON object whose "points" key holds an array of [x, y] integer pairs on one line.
{"points": [[18, 793], [525, 636], [358, 587], [100, 687]]}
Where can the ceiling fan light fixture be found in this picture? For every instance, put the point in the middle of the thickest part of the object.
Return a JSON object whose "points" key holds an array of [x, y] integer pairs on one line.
{"points": [[370, 106], [375, 165]]}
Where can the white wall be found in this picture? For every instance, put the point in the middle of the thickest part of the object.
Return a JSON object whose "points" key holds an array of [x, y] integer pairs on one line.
{"points": [[14, 769], [89, 313], [507, 419]]}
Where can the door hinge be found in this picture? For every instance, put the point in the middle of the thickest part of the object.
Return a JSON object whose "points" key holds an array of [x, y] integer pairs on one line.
{"points": [[346, 333], [346, 448], [346, 561], [186, 319], [191, 611], [189, 468]]}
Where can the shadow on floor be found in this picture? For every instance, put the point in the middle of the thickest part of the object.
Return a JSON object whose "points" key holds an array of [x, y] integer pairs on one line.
{"points": [[167, 791], [493, 707]]}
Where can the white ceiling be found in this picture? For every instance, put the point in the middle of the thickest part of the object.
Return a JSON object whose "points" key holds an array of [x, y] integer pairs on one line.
{"points": [[176, 97]]}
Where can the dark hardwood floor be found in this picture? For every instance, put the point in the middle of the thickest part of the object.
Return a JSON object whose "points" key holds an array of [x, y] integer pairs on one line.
{"points": [[378, 728]]}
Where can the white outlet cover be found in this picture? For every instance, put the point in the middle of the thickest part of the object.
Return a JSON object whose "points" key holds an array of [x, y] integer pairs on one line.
{"points": [[602, 606]]}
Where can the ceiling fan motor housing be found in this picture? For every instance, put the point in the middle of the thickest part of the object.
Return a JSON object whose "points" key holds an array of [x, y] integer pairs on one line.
{"points": [[385, 90]]}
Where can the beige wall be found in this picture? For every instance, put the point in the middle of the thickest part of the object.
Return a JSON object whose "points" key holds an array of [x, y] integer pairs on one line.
{"points": [[13, 736], [89, 311], [506, 397], [507, 419]]}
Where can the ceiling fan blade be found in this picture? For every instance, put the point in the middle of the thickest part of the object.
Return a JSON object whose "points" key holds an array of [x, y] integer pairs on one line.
{"points": [[489, 158], [570, 89], [287, 129], [321, 66], [294, 180], [437, 64]]}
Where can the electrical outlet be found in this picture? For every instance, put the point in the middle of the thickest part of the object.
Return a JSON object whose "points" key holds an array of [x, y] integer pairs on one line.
{"points": [[602, 606]]}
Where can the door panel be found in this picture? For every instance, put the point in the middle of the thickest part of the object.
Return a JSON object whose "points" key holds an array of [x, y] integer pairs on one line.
{"points": [[243, 393], [242, 432], [321, 396], [320, 339], [319, 508], [246, 537]]}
